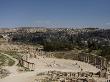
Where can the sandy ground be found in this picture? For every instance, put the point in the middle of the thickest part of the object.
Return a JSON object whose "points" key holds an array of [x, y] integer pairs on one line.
{"points": [[43, 64], [62, 64]]}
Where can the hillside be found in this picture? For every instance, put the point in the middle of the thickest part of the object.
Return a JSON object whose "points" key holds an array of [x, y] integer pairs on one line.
{"points": [[68, 39]]}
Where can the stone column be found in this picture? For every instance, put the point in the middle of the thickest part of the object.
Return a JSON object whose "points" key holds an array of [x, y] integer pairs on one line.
{"points": [[100, 63], [26, 57], [28, 65], [22, 62], [88, 60], [25, 63], [32, 66], [105, 63], [95, 62]]}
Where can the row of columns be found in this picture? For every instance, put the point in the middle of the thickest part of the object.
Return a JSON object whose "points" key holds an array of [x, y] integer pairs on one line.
{"points": [[33, 54], [97, 61]]}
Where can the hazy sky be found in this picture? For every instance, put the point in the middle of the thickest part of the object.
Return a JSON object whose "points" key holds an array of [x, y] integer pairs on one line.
{"points": [[54, 13]]}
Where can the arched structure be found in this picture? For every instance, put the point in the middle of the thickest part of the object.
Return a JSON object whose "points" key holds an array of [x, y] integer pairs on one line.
{"points": [[26, 64]]}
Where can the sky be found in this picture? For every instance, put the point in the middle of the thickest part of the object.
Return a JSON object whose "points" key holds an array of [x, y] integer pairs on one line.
{"points": [[55, 13]]}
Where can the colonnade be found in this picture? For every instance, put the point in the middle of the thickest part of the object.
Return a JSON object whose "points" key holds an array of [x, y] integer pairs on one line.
{"points": [[98, 61]]}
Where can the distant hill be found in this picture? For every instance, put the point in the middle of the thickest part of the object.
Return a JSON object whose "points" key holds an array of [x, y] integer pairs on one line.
{"points": [[58, 39]]}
